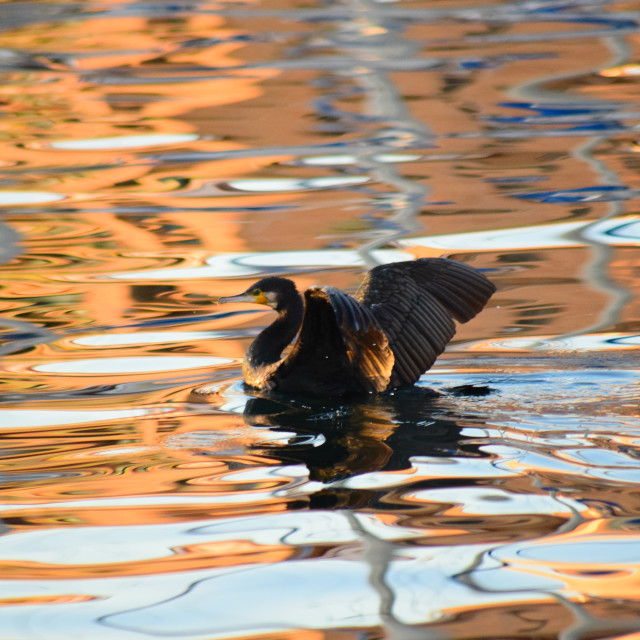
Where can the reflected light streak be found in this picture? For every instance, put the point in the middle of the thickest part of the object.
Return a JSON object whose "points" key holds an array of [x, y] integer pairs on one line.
{"points": [[124, 142], [147, 337], [23, 418], [346, 159], [612, 232], [125, 365], [425, 467], [275, 185], [11, 198], [484, 501], [623, 71], [235, 265], [558, 344]]}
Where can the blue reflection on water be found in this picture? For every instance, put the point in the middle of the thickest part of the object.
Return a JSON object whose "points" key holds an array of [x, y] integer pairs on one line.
{"points": [[601, 193]]}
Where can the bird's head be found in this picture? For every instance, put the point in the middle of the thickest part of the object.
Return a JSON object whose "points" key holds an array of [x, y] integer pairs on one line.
{"points": [[273, 291]]}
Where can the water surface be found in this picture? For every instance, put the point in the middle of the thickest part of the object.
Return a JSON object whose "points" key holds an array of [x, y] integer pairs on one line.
{"points": [[154, 155]]}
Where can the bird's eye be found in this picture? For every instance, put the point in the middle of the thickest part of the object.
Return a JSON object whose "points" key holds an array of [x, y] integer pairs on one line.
{"points": [[256, 292]]}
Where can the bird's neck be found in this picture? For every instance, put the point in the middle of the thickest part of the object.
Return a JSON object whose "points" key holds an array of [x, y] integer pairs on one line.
{"points": [[267, 348]]}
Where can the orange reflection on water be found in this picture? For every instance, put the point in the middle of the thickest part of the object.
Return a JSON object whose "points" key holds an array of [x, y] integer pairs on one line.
{"points": [[44, 600]]}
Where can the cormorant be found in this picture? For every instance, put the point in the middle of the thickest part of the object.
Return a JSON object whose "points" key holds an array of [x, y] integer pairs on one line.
{"points": [[383, 337]]}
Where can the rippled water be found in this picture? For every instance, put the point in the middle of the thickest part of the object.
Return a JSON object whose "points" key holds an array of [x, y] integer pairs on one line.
{"points": [[156, 154]]}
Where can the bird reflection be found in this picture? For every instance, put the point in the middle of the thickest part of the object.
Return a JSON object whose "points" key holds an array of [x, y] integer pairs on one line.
{"points": [[380, 434]]}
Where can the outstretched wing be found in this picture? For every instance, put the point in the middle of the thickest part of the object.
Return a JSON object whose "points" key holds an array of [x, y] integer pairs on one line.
{"points": [[415, 302], [340, 346]]}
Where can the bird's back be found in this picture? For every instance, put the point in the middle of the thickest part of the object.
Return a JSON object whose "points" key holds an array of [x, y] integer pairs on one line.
{"points": [[341, 348]]}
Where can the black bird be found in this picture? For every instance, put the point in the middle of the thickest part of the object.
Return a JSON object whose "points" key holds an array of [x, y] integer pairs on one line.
{"points": [[384, 337]]}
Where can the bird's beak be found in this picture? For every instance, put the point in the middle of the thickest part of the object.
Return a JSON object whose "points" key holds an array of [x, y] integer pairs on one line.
{"points": [[242, 297]]}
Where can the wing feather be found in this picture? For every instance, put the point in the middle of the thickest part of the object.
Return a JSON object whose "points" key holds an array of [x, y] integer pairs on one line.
{"points": [[424, 347], [439, 327], [461, 289], [403, 367], [415, 303]]}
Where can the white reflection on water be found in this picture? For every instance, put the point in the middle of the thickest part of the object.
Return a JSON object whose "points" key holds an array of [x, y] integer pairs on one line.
{"points": [[268, 185], [10, 198], [124, 142], [614, 231], [94, 545], [124, 365], [315, 593], [203, 604], [247, 601], [591, 561], [585, 342], [146, 337], [247, 264], [21, 418], [493, 501], [428, 467], [611, 550], [303, 528], [327, 593], [134, 543], [238, 440], [345, 159], [522, 460]]}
